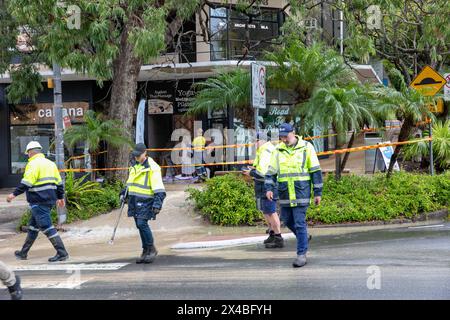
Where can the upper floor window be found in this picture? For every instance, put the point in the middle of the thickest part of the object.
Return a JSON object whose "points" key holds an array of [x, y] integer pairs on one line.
{"points": [[229, 33]]}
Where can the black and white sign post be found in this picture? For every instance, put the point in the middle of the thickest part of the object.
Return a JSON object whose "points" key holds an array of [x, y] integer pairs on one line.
{"points": [[258, 76]]}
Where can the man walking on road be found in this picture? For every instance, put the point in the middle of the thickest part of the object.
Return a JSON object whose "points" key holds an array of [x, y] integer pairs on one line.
{"points": [[266, 206], [295, 167], [146, 195], [11, 281], [43, 186]]}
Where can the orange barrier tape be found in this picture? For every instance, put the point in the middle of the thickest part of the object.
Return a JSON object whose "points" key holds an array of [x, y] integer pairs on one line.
{"points": [[340, 151], [376, 146], [246, 144], [173, 166]]}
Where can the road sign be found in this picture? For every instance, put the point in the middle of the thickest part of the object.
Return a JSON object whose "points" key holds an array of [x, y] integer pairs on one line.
{"points": [[437, 107], [447, 87], [258, 86], [428, 82]]}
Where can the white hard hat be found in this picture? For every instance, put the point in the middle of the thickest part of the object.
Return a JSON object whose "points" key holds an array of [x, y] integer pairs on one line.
{"points": [[33, 145]]}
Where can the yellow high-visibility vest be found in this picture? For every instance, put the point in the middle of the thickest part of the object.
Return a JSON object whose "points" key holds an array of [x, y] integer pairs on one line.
{"points": [[145, 182]]}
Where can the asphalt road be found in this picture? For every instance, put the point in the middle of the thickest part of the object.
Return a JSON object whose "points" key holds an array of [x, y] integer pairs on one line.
{"points": [[400, 263]]}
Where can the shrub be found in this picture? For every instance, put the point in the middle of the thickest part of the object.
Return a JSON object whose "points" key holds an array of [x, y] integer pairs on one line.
{"points": [[229, 200], [226, 200], [369, 198], [87, 200]]}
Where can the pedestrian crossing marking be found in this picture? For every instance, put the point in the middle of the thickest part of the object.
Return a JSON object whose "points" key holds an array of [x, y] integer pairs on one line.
{"points": [[72, 267]]}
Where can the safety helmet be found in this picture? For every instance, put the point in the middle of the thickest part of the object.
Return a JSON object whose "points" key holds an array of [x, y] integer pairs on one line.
{"points": [[33, 145]]}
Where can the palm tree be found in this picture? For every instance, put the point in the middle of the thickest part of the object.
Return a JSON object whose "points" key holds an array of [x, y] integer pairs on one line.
{"points": [[345, 109], [441, 146], [406, 104], [231, 89], [303, 69], [94, 130]]}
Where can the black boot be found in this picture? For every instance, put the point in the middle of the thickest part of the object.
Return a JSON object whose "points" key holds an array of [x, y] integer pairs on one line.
{"points": [[141, 258], [16, 290], [271, 237], [23, 254], [151, 254], [278, 242], [61, 253]]}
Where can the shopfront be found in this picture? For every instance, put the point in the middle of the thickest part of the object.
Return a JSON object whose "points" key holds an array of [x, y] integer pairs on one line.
{"points": [[26, 121]]}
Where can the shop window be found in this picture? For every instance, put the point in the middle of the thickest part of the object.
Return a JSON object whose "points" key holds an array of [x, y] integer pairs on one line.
{"points": [[21, 136], [34, 122]]}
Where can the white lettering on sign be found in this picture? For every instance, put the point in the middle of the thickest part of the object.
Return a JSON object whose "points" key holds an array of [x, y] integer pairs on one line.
{"points": [[279, 112], [71, 112]]}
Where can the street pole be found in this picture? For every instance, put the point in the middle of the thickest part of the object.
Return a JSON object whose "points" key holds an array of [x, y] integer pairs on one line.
{"points": [[59, 131], [341, 29], [430, 144]]}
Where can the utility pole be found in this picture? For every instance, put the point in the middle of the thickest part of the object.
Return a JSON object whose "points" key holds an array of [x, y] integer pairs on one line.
{"points": [[59, 131]]}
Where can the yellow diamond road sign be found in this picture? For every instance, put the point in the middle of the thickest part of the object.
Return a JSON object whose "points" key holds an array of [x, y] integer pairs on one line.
{"points": [[428, 82]]}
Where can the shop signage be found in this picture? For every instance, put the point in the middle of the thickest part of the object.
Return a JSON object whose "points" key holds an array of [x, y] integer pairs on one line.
{"points": [[161, 100], [42, 113]]}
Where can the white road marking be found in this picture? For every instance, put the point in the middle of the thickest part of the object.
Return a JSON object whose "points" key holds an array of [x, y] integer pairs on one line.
{"points": [[225, 243], [53, 285], [431, 226], [70, 267]]}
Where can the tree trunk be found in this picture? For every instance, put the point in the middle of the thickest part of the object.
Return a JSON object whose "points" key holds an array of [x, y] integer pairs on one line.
{"points": [[126, 69], [405, 131], [350, 144], [93, 165]]}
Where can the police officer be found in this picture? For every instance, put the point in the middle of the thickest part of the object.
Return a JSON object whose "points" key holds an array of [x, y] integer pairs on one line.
{"points": [[146, 195], [43, 186], [11, 281], [267, 207], [295, 167]]}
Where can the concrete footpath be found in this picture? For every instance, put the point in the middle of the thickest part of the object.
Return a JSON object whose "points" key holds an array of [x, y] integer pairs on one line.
{"points": [[177, 228]]}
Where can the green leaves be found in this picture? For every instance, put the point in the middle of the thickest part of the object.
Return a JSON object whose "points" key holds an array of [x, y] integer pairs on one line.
{"points": [[227, 88], [96, 129], [26, 83], [226, 200], [371, 198]]}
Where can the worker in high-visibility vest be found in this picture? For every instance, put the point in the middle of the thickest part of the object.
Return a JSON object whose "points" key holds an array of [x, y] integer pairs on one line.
{"points": [[267, 207], [43, 186], [294, 168], [199, 144], [146, 194]]}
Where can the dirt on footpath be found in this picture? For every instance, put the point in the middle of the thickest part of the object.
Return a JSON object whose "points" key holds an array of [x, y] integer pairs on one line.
{"points": [[87, 241]]}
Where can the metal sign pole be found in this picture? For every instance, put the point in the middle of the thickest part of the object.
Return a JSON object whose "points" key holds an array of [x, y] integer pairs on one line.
{"points": [[430, 144]]}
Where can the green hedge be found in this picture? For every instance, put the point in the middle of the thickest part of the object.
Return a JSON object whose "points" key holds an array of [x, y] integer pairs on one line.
{"points": [[229, 200], [370, 198], [92, 204]]}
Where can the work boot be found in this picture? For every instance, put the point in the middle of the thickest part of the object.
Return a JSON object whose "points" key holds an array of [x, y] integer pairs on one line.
{"points": [[23, 254], [278, 242], [300, 261], [271, 237], [141, 258], [61, 253], [150, 255], [16, 290]]}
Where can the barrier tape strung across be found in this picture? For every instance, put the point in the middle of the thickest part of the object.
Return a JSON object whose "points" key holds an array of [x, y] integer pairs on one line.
{"points": [[172, 166], [355, 149], [244, 144], [372, 147]]}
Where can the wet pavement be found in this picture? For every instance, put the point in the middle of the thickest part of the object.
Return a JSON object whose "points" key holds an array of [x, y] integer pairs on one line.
{"points": [[397, 262]]}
